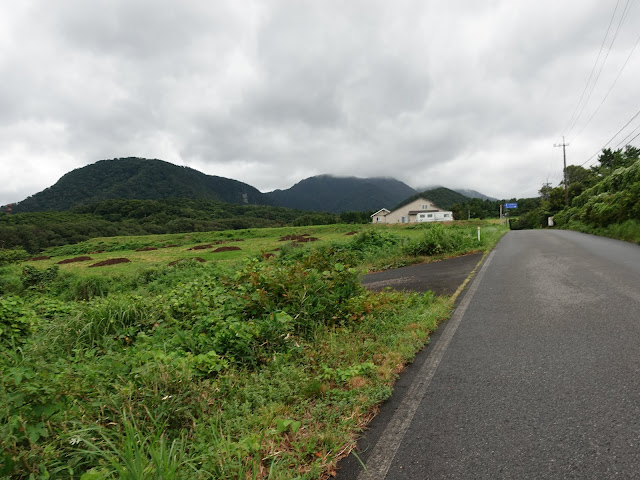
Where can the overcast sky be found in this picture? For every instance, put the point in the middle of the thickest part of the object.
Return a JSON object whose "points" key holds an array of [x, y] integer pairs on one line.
{"points": [[462, 93]]}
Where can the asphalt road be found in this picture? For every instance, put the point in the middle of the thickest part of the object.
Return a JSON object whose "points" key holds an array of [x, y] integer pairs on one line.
{"points": [[536, 374], [442, 277]]}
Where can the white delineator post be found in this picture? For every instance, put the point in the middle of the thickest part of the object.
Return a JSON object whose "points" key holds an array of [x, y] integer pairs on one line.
{"points": [[478, 233]]}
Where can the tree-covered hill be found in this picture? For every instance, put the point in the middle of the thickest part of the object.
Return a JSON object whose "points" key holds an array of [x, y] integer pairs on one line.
{"points": [[326, 193], [137, 178], [441, 196]]}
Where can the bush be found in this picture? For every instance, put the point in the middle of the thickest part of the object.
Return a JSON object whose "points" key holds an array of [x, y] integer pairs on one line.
{"points": [[12, 255], [440, 239], [16, 321]]}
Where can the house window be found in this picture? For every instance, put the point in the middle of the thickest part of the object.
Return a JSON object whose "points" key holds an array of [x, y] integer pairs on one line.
{"points": [[430, 215], [446, 215]]}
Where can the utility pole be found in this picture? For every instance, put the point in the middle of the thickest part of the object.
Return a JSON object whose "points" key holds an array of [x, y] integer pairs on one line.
{"points": [[566, 183]]}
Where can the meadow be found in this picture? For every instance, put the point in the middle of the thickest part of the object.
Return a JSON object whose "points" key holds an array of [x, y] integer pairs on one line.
{"points": [[264, 359]]}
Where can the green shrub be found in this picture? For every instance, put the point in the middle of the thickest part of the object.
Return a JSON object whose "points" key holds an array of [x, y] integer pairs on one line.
{"points": [[16, 321], [12, 255], [33, 278], [440, 239]]}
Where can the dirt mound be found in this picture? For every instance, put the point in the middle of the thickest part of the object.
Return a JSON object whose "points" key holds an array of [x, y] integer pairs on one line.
{"points": [[32, 259], [73, 260], [226, 249], [201, 247], [302, 239], [268, 255], [351, 233], [110, 261], [146, 249], [182, 260]]}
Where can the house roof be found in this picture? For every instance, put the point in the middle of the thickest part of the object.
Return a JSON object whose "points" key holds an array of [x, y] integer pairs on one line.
{"points": [[380, 212], [415, 212]]}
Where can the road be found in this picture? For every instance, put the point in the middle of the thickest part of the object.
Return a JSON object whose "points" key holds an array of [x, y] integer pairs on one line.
{"points": [[536, 374], [442, 277]]}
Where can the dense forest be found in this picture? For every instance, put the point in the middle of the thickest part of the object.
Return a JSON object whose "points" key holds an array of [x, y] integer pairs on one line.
{"points": [[137, 178], [36, 231], [326, 193]]}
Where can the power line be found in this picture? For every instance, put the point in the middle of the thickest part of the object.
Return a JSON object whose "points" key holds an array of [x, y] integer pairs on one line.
{"points": [[612, 138], [593, 69], [623, 17], [625, 138], [611, 88]]}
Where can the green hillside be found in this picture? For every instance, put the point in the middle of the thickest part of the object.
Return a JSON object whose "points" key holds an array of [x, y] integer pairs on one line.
{"points": [[137, 178], [441, 196], [326, 193]]}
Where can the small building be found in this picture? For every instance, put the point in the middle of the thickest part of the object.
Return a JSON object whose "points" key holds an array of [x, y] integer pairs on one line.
{"points": [[420, 210]]}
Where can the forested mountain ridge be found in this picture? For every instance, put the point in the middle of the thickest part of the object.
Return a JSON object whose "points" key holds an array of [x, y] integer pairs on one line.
{"points": [[326, 193], [443, 197], [137, 178]]}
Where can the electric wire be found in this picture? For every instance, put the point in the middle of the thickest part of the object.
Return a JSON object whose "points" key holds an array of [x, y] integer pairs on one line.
{"points": [[612, 138], [593, 69], [625, 138], [623, 17], [610, 89]]}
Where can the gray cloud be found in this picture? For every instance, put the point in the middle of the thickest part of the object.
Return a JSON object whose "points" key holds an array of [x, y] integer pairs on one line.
{"points": [[463, 94]]}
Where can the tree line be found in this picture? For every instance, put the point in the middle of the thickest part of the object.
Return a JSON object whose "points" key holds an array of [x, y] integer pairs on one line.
{"points": [[37, 231]]}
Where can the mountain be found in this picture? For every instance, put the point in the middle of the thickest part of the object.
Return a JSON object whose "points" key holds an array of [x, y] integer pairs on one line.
{"points": [[326, 193], [137, 178], [443, 197], [474, 194]]}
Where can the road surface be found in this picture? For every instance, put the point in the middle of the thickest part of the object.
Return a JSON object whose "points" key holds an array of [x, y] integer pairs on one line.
{"points": [[442, 277], [536, 374]]}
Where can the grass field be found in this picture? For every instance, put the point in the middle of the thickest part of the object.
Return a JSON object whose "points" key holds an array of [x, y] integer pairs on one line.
{"points": [[241, 366]]}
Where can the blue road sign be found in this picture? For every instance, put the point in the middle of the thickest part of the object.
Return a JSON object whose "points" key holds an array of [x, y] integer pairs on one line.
{"points": [[510, 205]]}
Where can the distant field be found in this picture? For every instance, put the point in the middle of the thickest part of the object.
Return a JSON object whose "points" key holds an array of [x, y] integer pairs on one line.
{"points": [[175, 247]]}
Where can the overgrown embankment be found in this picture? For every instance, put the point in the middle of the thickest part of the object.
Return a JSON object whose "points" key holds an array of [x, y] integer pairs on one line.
{"points": [[610, 208], [265, 368]]}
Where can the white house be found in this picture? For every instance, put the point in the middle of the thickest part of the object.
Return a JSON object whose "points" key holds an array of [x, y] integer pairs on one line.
{"points": [[420, 210]]}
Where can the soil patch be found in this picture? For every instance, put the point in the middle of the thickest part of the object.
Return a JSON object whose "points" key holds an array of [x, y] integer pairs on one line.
{"points": [[202, 247], [110, 261], [97, 251], [226, 249], [302, 239], [268, 255], [33, 259], [351, 233], [182, 260], [146, 249], [73, 260]]}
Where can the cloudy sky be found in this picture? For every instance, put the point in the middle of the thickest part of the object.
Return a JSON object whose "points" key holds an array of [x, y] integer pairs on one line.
{"points": [[462, 93]]}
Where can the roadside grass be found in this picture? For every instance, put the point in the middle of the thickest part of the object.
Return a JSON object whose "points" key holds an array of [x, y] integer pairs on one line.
{"points": [[629, 230], [243, 367]]}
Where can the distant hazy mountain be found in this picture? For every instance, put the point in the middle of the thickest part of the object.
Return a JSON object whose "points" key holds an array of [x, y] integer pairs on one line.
{"points": [[137, 178], [338, 194], [473, 194], [464, 191], [443, 197]]}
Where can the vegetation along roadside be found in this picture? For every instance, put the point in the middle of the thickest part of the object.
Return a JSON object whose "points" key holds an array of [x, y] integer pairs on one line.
{"points": [[252, 363]]}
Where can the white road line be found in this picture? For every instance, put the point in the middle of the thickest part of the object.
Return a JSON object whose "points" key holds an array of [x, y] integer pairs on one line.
{"points": [[385, 450]]}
